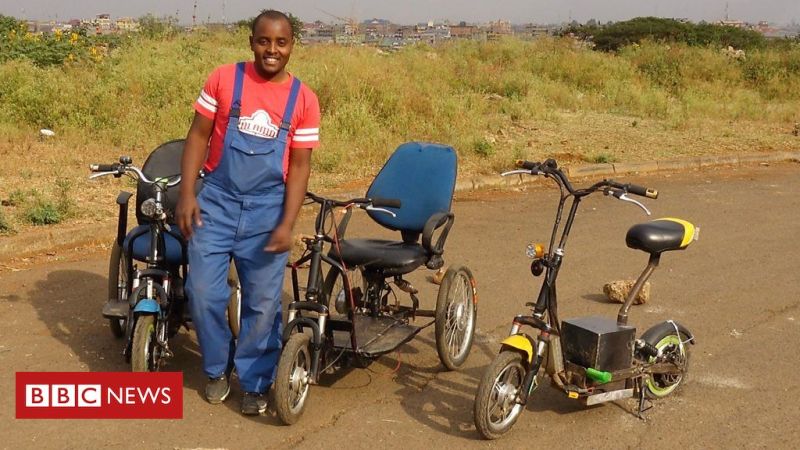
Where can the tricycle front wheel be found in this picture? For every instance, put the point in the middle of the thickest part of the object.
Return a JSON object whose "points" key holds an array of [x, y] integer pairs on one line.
{"points": [[292, 379], [456, 311]]}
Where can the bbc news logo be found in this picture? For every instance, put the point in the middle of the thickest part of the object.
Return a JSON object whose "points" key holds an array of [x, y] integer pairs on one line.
{"points": [[99, 395]]}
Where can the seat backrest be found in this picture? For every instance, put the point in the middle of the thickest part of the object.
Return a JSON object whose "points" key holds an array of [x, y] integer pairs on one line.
{"points": [[164, 161], [422, 176]]}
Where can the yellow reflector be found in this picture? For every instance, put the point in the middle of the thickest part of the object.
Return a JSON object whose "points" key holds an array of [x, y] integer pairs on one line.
{"points": [[572, 394]]}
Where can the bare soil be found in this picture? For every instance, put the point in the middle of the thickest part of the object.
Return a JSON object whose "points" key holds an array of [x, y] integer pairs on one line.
{"points": [[736, 289]]}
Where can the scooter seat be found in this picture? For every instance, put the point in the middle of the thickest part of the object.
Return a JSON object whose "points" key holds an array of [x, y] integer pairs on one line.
{"points": [[374, 255], [141, 245], [661, 235]]}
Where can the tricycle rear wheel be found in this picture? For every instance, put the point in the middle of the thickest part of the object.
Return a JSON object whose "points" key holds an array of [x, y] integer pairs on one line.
{"points": [[456, 311]]}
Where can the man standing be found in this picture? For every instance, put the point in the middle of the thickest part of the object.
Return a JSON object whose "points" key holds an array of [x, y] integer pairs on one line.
{"points": [[253, 130]]}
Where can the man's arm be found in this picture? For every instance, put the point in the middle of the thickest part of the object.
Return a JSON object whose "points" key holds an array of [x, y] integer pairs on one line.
{"points": [[194, 154], [296, 186]]}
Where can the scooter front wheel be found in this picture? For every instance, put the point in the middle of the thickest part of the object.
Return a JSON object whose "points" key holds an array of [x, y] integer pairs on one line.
{"points": [[496, 408], [292, 379]]}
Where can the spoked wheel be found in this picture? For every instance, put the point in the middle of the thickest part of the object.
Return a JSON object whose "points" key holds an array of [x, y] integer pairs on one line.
{"points": [[144, 357], [674, 347], [292, 379], [496, 408], [117, 286], [456, 310], [235, 302], [337, 290]]}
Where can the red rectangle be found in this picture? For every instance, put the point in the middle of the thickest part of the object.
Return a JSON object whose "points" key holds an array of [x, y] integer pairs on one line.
{"points": [[99, 395]]}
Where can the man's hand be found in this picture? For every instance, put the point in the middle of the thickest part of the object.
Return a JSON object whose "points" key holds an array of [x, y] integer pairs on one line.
{"points": [[187, 214], [281, 240]]}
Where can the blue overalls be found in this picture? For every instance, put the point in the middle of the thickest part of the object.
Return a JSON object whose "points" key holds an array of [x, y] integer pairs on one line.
{"points": [[241, 203]]}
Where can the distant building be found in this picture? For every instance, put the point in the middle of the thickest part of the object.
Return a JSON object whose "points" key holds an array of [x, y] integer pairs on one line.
{"points": [[732, 23], [102, 23], [127, 25], [464, 31]]}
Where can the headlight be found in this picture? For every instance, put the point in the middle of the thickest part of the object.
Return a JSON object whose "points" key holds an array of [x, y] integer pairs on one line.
{"points": [[148, 207]]}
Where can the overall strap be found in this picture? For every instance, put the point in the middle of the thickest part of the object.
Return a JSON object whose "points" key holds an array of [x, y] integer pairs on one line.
{"points": [[236, 104], [286, 122]]}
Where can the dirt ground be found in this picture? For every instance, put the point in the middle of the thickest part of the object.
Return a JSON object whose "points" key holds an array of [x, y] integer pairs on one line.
{"points": [[736, 288]]}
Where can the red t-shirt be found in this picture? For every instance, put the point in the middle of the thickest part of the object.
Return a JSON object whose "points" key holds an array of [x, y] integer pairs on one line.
{"points": [[263, 104]]}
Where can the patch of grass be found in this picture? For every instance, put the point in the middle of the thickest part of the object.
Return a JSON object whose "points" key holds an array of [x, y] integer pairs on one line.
{"points": [[64, 203], [603, 158], [17, 197], [5, 225]]}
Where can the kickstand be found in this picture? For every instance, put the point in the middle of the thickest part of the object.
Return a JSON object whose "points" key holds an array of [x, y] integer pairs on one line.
{"points": [[644, 403]]}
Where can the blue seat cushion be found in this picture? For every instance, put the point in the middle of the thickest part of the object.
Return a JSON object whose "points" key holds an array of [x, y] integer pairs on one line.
{"points": [[141, 244]]}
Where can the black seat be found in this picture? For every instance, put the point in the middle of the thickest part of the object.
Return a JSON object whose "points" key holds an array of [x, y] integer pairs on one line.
{"points": [[422, 176], [164, 161], [379, 255], [660, 235]]}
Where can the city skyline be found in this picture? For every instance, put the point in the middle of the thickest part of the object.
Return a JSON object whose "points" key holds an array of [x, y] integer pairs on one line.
{"points": [[416, 11]]}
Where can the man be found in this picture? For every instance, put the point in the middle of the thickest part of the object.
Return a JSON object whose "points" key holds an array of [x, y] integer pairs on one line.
{"points": [[253, 130]]}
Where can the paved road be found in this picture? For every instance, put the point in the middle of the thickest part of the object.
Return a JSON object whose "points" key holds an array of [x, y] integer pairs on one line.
{"points": [[737, 289]]}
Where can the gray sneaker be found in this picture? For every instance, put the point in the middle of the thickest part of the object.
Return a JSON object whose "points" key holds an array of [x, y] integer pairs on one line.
{"points": [[217, 390], [254, 403]]}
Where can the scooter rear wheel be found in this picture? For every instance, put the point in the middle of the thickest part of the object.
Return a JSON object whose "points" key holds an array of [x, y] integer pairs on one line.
{"points": [[292, 379], [673, 346], [496, 408], [117, 279]]}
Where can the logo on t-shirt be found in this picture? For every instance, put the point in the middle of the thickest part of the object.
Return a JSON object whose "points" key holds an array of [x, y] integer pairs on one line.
{"points": [[259, 124]]}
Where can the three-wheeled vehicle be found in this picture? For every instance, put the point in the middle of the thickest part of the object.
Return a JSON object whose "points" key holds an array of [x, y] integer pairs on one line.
{"points": [[354, 315]]}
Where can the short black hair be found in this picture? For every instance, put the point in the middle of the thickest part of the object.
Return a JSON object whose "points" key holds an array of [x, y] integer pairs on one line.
{"points": [[273, 15]]}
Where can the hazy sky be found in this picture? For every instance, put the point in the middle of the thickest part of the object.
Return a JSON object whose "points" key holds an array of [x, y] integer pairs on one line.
{"points": [[412, 11]]}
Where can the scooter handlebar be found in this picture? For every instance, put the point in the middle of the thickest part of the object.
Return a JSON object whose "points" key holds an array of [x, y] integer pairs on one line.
{"points": [[642, 191]]}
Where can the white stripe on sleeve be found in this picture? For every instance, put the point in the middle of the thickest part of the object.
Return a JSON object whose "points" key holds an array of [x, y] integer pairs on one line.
{"points": [[311, 138], [306, 131], [202, 102], [211, 100]]}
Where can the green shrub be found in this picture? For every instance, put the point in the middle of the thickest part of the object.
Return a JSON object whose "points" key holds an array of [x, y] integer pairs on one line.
{"points": [[43, 212], [482, 147]]}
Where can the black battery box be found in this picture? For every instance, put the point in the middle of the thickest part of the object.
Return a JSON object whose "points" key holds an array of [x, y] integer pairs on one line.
{"points": [[597, 342]]}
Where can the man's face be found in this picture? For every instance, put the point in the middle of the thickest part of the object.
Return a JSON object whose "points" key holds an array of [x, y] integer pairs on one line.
{"points": [[272, 45]]}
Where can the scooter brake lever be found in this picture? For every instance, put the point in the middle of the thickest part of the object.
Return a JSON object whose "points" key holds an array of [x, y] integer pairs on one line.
{"points": [[372, 208], [101, 174], [624, 197], [517, 172]]}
